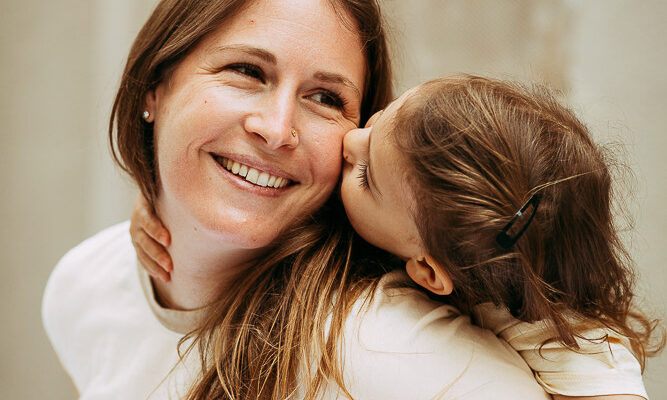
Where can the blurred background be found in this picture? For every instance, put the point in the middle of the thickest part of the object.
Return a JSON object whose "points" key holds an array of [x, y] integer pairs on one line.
{"points": [[61, 61]]}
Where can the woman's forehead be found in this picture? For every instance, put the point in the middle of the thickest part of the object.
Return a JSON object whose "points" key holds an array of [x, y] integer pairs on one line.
{"points": [[314, 16], [298, 32]]}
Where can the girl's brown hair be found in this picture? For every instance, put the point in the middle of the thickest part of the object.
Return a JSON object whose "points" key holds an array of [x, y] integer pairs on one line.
{"points": [[275, 330], [477, 150]]}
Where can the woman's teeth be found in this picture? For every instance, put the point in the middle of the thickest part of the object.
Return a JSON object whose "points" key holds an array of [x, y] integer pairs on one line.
{"points": [[252, 175]]}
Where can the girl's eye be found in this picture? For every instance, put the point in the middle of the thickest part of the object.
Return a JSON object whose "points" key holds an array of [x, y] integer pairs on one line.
{"points": [[248, 70], [329, 99], [363, 175]]}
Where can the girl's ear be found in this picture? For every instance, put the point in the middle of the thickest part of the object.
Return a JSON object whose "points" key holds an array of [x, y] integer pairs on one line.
{"points": [[149, 106], [429, 274]]}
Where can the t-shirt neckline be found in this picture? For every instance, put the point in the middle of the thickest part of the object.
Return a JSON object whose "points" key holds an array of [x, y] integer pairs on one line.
{"points": [[179, 321]]}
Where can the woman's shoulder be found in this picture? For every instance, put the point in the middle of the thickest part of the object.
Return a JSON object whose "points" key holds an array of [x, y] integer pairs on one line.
{"points": [[106, 248], [101, 326], [395, 312], [85, 270], [398, 307], [105, 257], [95, 259], [400, 343], [109, 241]]}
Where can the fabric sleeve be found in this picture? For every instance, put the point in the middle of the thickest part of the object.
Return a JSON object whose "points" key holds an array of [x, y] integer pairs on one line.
{"points": [[604, 364]]}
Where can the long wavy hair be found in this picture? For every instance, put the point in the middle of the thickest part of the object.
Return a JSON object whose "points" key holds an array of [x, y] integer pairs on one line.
{"points": [[476, 151], [274, 332]]}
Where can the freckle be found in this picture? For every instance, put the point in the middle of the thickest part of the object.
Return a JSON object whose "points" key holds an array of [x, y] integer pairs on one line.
{"points": [[252, 21], [196, 229], [205, 101]]}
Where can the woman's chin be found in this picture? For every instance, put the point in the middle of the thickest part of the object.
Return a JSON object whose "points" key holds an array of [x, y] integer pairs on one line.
{"points": [[239, 235]]}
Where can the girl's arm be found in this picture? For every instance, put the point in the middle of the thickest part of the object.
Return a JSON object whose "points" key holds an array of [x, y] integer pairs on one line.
{"points": [[602, 368], [150, 240]]}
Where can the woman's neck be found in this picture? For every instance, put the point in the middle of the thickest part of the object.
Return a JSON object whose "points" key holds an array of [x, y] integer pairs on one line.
{"points": [[203, 265], [197, 278]]}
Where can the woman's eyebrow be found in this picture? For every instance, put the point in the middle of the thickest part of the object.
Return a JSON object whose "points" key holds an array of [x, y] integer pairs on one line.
{"points": [[330, 77], [254, 51]]}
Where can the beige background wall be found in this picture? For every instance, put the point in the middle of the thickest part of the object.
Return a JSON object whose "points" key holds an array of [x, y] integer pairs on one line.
{"points": [[60, 63]]}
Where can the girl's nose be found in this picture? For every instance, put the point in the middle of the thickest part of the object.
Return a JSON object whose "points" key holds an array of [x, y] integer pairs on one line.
{"points": [[355, 144]]}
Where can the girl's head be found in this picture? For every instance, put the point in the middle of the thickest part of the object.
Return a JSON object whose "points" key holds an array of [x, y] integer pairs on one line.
{"points": [[438, 175]]}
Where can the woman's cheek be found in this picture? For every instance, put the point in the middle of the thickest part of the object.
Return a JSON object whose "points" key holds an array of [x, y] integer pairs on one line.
{"points": [[175, 184], [331, 147], [335, 163]]}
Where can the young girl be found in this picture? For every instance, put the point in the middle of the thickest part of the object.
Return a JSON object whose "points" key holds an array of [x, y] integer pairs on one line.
{"points": [[496, 196]]}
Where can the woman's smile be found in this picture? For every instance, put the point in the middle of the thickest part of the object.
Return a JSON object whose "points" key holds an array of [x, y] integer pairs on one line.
{"points": [[259, 178]]}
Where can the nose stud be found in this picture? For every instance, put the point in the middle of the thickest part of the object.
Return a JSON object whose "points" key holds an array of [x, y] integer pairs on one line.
{"points": [[293, 132]]}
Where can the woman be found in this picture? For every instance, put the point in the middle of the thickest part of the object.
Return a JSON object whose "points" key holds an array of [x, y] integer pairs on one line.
{"points": [[264, 272]]}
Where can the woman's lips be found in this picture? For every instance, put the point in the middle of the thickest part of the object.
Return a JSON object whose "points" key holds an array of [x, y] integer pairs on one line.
{"points": [[253, 175]]}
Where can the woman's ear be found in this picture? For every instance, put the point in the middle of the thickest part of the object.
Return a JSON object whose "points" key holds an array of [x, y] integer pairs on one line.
{"points": [[429, 274], [148, 113]]}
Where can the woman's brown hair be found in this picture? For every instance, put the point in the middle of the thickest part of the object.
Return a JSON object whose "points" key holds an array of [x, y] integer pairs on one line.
{"points": [[477, 150], [275, 330]]}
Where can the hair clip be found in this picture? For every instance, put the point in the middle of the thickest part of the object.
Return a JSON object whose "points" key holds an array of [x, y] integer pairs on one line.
{"points": [[504, 239]]}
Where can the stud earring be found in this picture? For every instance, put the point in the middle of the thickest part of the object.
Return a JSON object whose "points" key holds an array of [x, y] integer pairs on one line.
{"points": [[146, 115]]}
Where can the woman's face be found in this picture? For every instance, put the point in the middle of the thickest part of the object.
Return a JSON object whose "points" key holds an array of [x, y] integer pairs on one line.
{"points": [[249, 126]]}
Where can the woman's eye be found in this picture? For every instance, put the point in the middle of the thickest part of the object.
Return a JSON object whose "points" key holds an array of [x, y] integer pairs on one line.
{"points": [[247, 70], [329, 99]]}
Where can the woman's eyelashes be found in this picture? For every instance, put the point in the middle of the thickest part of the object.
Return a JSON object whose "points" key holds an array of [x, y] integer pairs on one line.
{"points": [[363, 175], [329, 99], [249, 70]]}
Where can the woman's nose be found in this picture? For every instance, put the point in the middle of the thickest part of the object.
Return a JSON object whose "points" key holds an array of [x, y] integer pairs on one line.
{"points": [[273, 121], [355, 144]]}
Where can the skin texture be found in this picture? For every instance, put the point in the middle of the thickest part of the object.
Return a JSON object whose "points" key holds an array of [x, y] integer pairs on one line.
{"points": [[239, 94]]}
